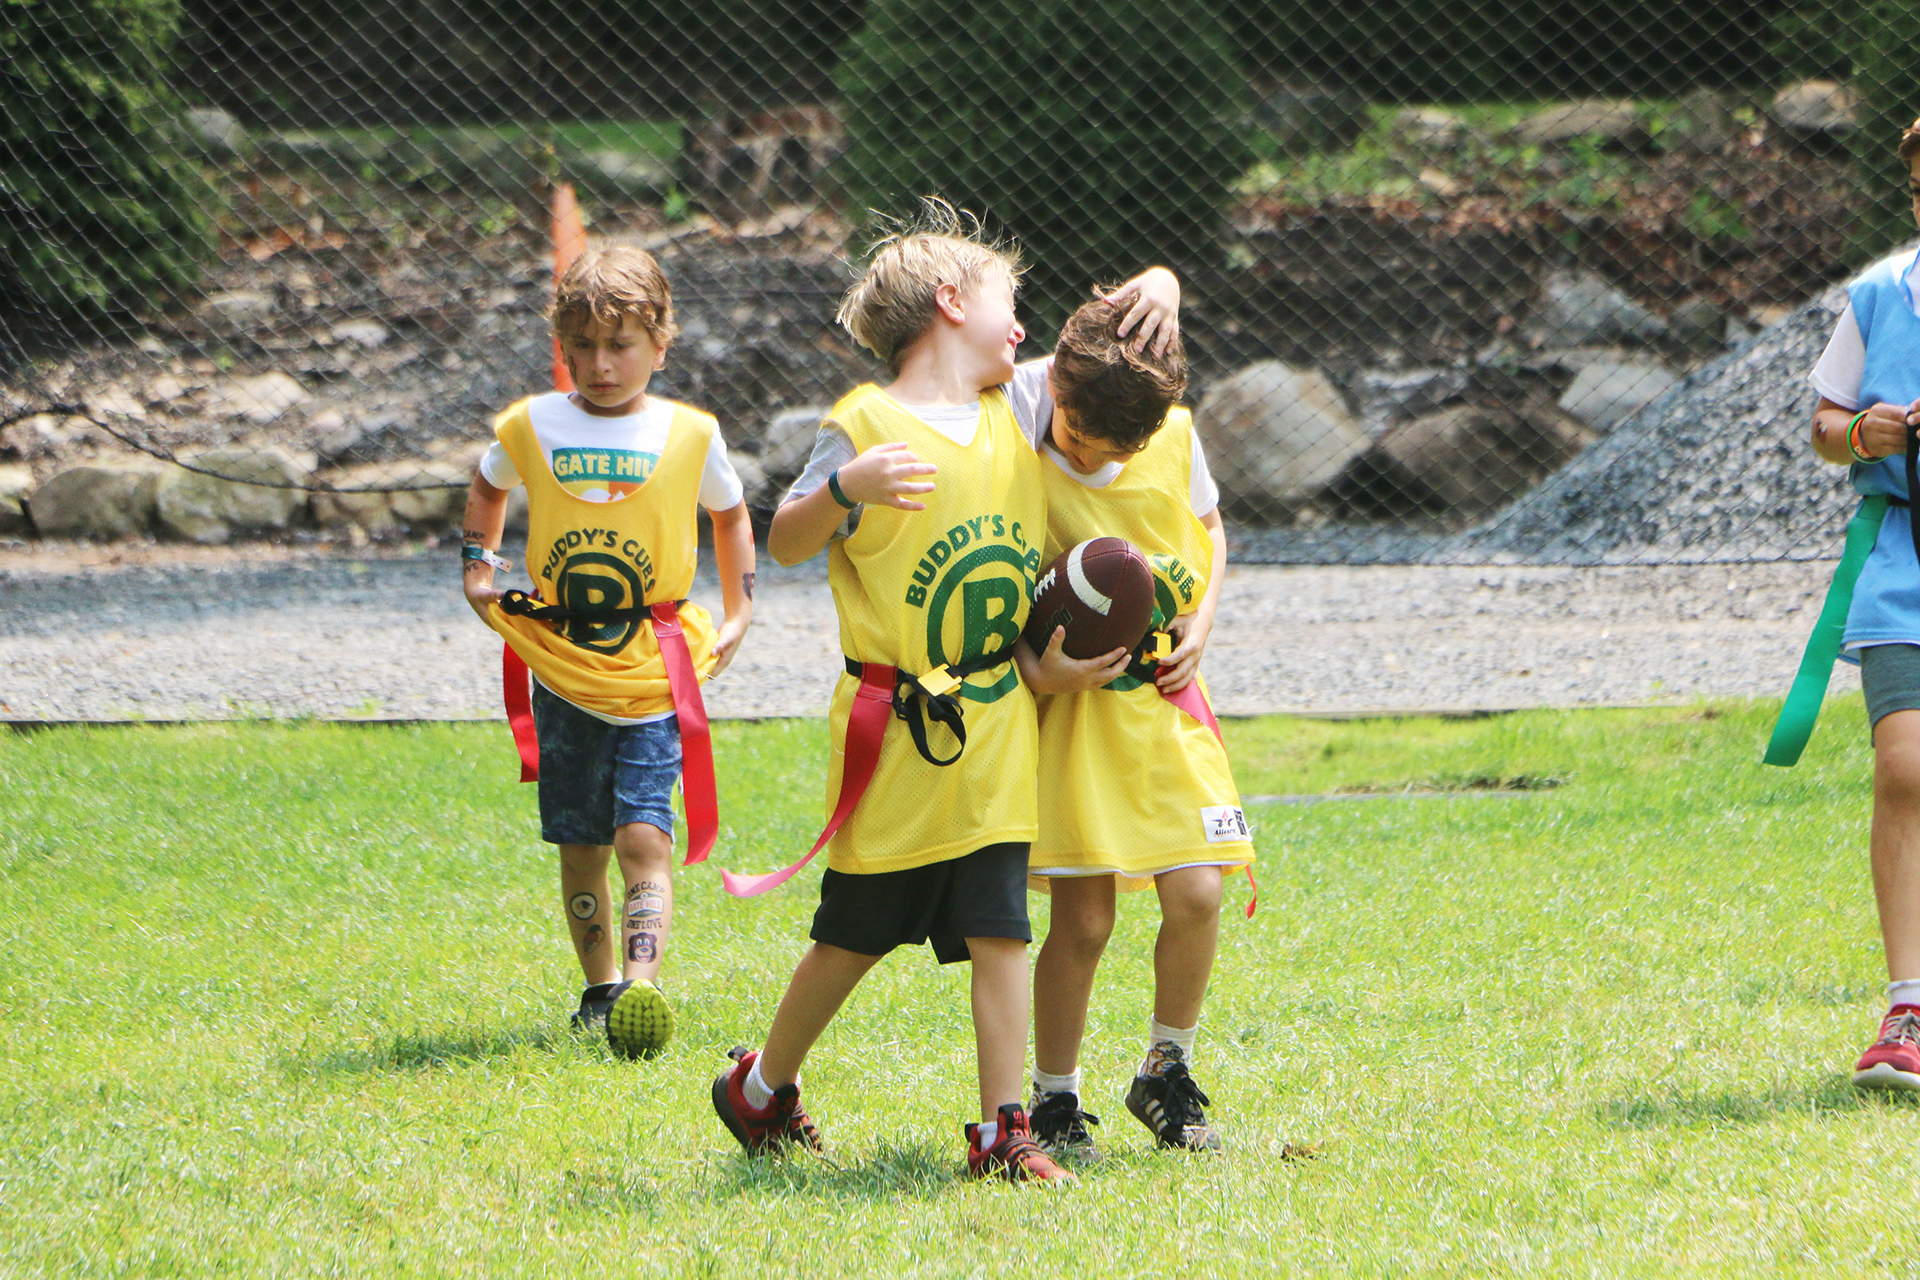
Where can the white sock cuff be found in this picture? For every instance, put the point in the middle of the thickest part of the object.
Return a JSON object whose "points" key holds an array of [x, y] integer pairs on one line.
{"points": [[1903, 991], [1045, 1083], [1184, 1037], [987, 1134], [755, 1087]]}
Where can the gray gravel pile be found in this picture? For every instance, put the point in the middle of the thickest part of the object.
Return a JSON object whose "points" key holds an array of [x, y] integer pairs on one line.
{"points": [[1717, 469]]}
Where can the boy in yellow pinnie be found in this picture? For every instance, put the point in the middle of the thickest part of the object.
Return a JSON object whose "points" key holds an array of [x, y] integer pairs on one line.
{"points": [[1134, 781]]}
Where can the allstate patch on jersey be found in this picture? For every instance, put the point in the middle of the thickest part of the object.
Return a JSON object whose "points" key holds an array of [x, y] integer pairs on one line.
{"points": [[1224, 823]]}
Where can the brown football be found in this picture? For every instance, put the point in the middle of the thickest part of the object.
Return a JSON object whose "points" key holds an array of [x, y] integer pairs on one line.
{"points": [[1101, 591]]}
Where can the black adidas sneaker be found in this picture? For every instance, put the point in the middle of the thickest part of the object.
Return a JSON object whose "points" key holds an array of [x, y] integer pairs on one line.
{"points": [[1170, 1104], [595, 1003], [1060, 1127]]}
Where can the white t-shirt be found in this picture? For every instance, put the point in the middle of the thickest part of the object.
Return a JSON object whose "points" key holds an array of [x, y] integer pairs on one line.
{"points": [[601, 459], [1836, 375], [1032, 403]]}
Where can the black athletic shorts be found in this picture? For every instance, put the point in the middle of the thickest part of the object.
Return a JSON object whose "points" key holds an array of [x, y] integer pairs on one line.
{"points": [[981, 895]]}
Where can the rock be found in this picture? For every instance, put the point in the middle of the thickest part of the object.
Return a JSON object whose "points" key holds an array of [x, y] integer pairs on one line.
{"points": [[787, 442], [1701, 122], [210, 509], [1440, 183], [1581, 310], [1699, 324], [166, 388], [215, 133], [1304, 119], [1276, 436], [1472, 459], [326, 150], [361, 333], [1718, 469], [434, 507], [235, 310], [755, 491], [1605, 395], [1615, 120], [260, 399], [15, 484], [95, 502], [115, 402], [1815, 108], [1430, 129], [1383, 395], [624, 176]]}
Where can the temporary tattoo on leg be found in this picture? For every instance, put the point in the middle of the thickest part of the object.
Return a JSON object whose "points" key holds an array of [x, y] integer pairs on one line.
{"points": [[472, 535], [583, 905], [642, 946], [645, 906], [746, 582], [591, 943]]}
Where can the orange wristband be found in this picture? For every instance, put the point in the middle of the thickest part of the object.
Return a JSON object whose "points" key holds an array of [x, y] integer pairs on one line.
{"points": [[1853, 440]]}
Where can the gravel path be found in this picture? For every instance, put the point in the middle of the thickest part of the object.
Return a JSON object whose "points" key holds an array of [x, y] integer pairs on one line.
{"points": [[392, 638]]}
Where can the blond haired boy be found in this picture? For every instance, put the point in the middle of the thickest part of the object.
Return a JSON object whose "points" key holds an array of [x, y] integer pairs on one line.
{"points": [[612, 477], [930, 502]]}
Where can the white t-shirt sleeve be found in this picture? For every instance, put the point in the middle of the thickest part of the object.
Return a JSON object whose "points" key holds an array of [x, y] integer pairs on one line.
{"points": [[1838, 373], [1201, 490], [720, 487], [1031, 399], [497, 469]]}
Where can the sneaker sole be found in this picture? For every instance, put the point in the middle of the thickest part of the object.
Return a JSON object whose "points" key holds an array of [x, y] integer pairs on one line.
{"points": [[723, 1108], [1883, 1076], [640, 1022]]}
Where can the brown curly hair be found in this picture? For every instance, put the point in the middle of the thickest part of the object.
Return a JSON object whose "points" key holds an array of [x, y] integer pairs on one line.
{"points": [[607, 285], [1112, 391]]}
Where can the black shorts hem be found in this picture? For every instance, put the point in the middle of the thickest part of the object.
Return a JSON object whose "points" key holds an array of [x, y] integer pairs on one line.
{"points": [[982, 894]]}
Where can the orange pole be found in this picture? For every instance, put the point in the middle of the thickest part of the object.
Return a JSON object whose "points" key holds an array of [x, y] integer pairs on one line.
{"points": [[569, 242]]}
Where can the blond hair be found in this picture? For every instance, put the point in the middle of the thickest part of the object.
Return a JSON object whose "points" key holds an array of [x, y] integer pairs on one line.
{"points": [[892, 303], [607, 285], [1910, 142]]}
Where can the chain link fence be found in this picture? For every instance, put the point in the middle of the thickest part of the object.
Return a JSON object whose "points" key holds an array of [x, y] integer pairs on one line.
{"points": [[1465, 280]]}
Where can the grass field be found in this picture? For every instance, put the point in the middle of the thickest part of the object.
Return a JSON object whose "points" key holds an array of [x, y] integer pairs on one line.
{"points": [[290, 999]]}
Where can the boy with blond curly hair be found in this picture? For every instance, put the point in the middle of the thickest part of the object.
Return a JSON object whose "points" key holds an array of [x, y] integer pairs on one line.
{"points": [[929, 502], [612, 477]]}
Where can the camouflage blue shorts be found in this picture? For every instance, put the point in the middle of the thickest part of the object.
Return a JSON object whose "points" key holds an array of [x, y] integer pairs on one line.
{"points": [[596, 776]]}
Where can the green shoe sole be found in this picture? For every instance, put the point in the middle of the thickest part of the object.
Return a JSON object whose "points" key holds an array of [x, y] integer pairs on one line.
{"points": [[640, 1022]]}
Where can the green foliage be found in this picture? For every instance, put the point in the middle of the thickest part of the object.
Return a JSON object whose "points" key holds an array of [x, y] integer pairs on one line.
{"points": [[1473, 50], [98, 209], [1103, 134], [1814, 39], [1886, 67]]}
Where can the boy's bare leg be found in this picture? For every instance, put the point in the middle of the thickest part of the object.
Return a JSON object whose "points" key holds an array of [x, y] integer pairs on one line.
{"points": [[1896, 839], [821, 983], [1189, 937], [588, 901], [999, 1020], [1082, 922], [646, 863]]}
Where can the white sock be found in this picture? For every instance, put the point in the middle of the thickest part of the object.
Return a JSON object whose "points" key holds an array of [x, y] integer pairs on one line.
{"points": [[758, 1095], [1044, 1084], [988, 1134], [1905, 991], [1157, 1035]]}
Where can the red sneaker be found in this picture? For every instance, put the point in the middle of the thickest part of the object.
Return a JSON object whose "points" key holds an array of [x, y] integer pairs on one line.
{"points": [[1894, 1060], [761, 1130], [1014, 1155]]}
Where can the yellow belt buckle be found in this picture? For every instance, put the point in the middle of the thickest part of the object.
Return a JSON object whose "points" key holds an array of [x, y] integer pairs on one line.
{"points": [[938, 681], [1159, 646]]}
